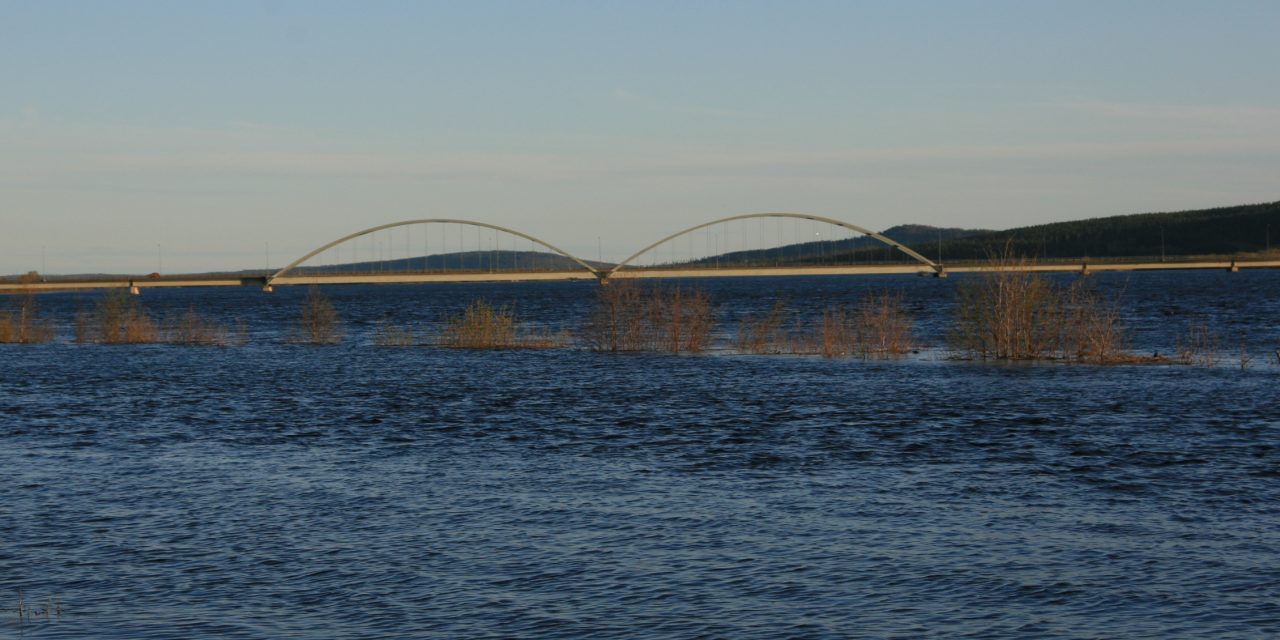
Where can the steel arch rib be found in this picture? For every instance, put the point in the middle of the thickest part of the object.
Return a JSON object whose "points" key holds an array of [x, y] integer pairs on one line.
{"points": [[404, 223], [799, 216]]}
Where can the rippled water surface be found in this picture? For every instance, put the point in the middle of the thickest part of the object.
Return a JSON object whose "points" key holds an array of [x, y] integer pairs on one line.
{"points": [[275, 490]]}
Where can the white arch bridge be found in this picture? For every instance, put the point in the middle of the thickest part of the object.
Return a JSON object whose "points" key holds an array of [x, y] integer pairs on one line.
{"points": [[499, 259], [817, 245]]}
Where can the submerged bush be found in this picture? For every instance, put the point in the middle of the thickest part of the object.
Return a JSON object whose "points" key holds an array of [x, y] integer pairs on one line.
{"points": [[1198, 345], [765, 332], [876, 326], [117, 318], [628, 316], [1010, 312], [318, 322], [391, 335], [485, 326], [480, 326], [190, 328], [1091, 330], [24, 324]]}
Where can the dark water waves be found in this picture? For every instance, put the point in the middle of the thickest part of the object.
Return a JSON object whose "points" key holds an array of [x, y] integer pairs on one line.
{"points": [[274, 491]]}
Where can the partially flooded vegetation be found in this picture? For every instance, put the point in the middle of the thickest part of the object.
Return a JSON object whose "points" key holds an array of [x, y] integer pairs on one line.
{"points": [[22, 322], [631, 316], [1011, 312], [483, 325], [318, 321], [876, 326], [1008, 312]]}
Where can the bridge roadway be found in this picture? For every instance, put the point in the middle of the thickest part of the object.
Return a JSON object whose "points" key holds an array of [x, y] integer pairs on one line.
{"points": [[625, 274]]}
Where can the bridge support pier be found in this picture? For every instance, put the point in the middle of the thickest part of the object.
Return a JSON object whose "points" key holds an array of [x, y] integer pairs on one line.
{"points": [[1084, 269], [266, 288], [133, 289], [1234, 268]]}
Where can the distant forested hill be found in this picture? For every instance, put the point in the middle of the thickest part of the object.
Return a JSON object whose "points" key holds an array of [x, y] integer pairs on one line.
{"points": [[1220, 231], [861, 248], [463, 261]]}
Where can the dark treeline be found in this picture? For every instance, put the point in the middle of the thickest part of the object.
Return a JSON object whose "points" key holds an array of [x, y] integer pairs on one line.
{"points": [[860, 249], [495, 260], [1221, 231]]}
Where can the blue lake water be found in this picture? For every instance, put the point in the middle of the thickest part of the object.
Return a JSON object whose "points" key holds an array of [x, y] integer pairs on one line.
{"points": [[274, 490]]}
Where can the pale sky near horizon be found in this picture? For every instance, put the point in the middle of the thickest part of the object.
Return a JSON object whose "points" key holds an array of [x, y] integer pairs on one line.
{"points": [[215, 128]]}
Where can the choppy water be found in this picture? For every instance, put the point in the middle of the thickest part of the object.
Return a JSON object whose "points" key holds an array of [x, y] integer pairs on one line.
{"points": [[272, 490]]}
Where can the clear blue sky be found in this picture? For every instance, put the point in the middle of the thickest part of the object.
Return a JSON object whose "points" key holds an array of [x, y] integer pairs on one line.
{"points": [[213, 128]]}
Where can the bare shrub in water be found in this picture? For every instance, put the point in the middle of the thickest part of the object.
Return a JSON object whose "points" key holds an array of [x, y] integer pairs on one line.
{"points": [[765, 332], [480, 326], [1244, 358], [628, 316], [318, 322], [24, 325], [1091, 327], [877, 326], [682, 320], [387, 334], [1198, 345], [882, 326], [618, 320], [1008, 312], [190, 328], [118, 318]]}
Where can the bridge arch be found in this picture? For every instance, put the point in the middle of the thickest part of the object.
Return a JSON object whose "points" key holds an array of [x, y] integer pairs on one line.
{"points": [[404, 223], [937, 268]]}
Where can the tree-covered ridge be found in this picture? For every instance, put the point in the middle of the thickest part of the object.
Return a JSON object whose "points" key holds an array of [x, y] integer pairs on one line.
{"points": [[1220, 231]]}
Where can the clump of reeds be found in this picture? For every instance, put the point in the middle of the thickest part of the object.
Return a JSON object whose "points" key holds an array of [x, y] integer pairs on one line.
{"points": [[26, 611], [877, 326], [1091, 327], [480, 326], [117, 318], [1244, 357], [1198, 345], [483, 325], [765, 332], [618, 321], [24, 324], [628, 316], [387, 334], [881, 327], [318, 322], [190, 328], [1010, 312], [681, 319]]}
